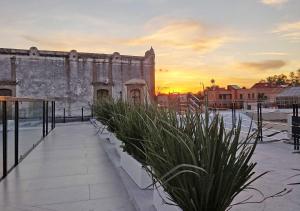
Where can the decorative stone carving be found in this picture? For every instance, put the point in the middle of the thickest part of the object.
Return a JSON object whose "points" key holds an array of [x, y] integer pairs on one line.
{"points": [[116, 56], [33, 51], [73, 55], [150, 55]]}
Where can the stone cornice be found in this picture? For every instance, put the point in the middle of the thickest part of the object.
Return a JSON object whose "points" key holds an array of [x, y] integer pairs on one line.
{"points": [[64, 54], [98, 83], [8, 82]]}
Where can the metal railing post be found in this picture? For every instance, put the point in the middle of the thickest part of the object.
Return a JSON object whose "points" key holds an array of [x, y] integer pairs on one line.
{"points": [[260, 118], [233, 113], [64, 115], [259, 121], [295, 127], [82, 114], [52, 115], [44, 118], [47, 117], [54, 122], [4, 131], [16, 132]]}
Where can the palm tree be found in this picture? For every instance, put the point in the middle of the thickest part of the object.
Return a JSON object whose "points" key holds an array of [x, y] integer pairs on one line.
{"points": [[212, 81]]}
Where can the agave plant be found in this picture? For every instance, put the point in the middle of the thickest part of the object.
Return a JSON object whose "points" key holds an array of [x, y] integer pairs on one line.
{"points": [[107, 112], [131, 129], [200, 164], [126, 121]]}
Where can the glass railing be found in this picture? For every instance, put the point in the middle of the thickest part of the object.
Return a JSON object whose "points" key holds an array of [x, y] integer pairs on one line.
{"points": [[74, 114], [23, 124]]}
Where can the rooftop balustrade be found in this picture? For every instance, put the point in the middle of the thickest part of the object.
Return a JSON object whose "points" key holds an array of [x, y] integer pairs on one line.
{"points": [[24, 122]]}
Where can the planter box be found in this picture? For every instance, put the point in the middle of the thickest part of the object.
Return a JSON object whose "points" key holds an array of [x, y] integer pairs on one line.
{"points": [[105, 136], [118, 147], [159, 199], [113, 138], [135, 170]]}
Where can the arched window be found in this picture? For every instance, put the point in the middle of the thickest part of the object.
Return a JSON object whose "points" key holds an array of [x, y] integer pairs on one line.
{"points": [[102, 94], [5, 92], [135, 95]]}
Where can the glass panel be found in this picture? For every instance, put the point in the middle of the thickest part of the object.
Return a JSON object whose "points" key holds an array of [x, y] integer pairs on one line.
{"points": [[30, 125], [49, 115], [10, 134], [86, 112]]}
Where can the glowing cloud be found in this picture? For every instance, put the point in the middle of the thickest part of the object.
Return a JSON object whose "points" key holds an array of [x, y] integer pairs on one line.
{"points": [[289, 31], [274, 2], [183, 35], [269, 54]]}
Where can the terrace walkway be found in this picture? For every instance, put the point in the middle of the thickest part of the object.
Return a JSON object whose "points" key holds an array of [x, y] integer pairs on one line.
{"points": [[69, 170]]}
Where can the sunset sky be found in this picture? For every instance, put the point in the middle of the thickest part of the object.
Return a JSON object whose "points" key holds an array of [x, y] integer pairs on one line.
{"points": [[232, 41]]}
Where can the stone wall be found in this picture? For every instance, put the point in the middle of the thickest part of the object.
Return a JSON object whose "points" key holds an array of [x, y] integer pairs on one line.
{"points": [[72, 78]]}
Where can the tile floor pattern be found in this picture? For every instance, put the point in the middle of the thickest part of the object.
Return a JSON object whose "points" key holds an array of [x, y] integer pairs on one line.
{"points": [[69, 170], [277, 158]]}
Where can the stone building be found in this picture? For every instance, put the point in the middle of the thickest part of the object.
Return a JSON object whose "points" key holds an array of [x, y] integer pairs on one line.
{"points": [[77, 79]]}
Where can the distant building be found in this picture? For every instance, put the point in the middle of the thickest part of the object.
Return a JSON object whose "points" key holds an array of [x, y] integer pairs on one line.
{"points": [[77, 79], [174, 101], [163, 100], [220, 97], [265, 91], [288, 97]]}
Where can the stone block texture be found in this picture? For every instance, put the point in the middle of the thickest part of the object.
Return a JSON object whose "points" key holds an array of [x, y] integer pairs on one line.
{"points": [[72, 78]]}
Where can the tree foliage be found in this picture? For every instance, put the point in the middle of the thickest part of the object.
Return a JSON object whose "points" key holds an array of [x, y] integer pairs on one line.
{"points": [[293, 79]]}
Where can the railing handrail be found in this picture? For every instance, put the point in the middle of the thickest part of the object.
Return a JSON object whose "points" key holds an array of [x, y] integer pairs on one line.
{"points": [[28, 99]]}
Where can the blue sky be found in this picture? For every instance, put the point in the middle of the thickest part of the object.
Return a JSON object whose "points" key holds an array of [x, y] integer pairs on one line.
{"points": [[232, 41]]}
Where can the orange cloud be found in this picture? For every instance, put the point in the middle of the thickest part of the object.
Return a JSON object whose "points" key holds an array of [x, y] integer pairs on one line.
{"points": [[69, 41], [274, 2], [270, 53], [182, 35]]}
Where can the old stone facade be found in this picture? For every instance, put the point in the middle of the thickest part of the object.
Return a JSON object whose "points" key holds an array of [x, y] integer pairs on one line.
{"points": [[77, 79]]}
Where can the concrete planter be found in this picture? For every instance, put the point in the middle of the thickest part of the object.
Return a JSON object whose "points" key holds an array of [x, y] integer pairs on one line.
{"points": [[159, 199], [118, 147], [135, 170], [105, 136], [113, 138]]}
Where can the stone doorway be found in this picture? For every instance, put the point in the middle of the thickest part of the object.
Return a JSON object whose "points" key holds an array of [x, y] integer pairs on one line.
{"points": [[135, 95], [102, 95]]}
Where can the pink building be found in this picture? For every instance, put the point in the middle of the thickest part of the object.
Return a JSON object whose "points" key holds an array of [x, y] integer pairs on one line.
{"points": [[175, 101], [220, 97]]}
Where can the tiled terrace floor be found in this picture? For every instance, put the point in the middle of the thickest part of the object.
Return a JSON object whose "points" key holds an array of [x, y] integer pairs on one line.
{"points": [[69, 170], [277, 158]]}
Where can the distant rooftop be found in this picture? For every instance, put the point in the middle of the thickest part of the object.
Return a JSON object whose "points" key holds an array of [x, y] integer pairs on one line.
{"points": [[290, 92], [267, 85], [233, 87]]}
